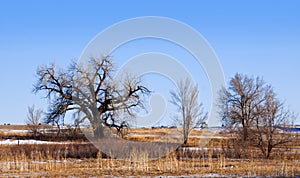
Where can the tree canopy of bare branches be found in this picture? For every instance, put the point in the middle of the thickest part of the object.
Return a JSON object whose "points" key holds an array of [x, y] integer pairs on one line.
{"points": [[273, 116], [250, 108], [186, 99], [33, 119], [91, 92], [240, 101]]}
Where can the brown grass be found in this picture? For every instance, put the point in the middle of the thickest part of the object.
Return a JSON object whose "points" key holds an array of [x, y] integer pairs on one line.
{"points": [[53, 165], [80, 159]]}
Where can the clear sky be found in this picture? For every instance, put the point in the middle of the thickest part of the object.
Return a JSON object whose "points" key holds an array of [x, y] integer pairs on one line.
{"points": [[251, 37]]}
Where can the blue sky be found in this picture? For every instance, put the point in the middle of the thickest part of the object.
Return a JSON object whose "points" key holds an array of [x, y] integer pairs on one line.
{"points": [[251, 37]]}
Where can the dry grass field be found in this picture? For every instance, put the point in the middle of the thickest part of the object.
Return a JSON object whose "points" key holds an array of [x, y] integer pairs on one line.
{"points": [[79, 158]]}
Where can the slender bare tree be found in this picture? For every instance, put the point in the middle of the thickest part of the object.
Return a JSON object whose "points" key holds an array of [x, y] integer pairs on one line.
{"points": [[92, 93], [33, 119], [191, 113], [267, 126]]}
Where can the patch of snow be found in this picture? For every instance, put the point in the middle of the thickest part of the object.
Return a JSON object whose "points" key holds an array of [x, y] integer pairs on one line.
{"points": [[26, 142], [212, 175], [38, 162], [206, 136], [199, 149], [14, 131]]}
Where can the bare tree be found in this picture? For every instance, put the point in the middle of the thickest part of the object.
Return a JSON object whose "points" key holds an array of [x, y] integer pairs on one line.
{"points": [[92, 93], [186, 99], [239, 104], [33, 119], [267, 126], [250, 109]]}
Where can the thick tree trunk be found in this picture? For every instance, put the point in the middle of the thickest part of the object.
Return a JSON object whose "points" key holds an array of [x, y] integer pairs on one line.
{"points": [[99, 132]]}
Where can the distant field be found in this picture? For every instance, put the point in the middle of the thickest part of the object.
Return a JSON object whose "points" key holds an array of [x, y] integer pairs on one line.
{"points": [[14, 127]]}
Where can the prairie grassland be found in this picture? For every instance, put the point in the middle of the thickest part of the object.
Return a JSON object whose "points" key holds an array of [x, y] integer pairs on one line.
{"points": [[52, 165], [80, 158]]}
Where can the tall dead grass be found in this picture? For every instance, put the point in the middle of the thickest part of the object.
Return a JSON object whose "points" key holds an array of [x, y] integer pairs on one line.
{"points": [[67, 160], [83, 159]]}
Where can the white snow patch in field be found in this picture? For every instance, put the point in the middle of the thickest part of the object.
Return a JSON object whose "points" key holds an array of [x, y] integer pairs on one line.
{"points": [[199, 149], [14, 131], [207, 136], [26, 142], [212, 175]]}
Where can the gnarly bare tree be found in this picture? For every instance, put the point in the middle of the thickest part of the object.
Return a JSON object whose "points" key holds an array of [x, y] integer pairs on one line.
{"points": [[33, 119], [186, 99], [251, 110], [92, 93]]}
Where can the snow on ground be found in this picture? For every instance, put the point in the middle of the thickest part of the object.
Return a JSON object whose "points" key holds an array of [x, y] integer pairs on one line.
{"points": [[206, 136], [14, 131], [199, 149], [26, 142]]}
